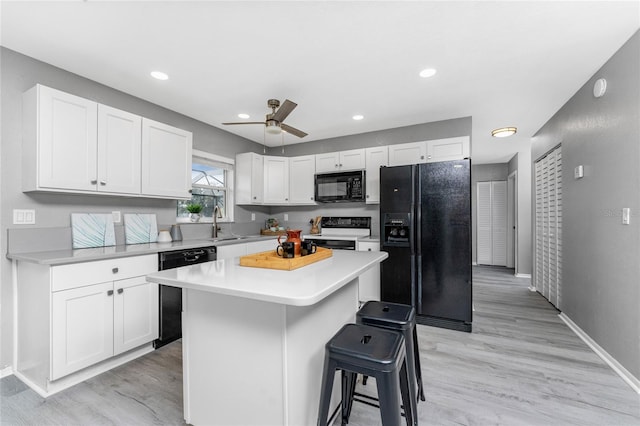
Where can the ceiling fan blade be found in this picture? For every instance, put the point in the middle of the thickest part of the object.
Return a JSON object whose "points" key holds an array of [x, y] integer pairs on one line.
{"points": [[284, 110], [244, 122], [293, 130]]}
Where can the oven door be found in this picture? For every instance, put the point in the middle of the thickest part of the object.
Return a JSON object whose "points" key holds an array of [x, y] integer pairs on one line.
{"points": [[334, 244]]}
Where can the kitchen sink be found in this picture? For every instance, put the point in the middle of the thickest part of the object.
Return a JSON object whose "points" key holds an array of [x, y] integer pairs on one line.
{"points": [[230, 238]]}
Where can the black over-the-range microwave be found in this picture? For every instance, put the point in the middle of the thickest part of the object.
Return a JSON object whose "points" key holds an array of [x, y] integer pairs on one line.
{"points": [[340, 187]]}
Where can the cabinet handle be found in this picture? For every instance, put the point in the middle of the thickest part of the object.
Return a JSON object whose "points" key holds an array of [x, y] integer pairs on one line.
{"points": [[367, 195], [429, 157], [336, 165], [340, 165], [369, 249], [120, 290], [94, 181], [114, 270], [422, 157], [311, 198], [110, 293], [255, 198], [286, 199], [190, 191], [102, 182]]}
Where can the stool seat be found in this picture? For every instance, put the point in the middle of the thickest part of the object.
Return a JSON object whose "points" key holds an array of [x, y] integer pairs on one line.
{"points": [[402, 318], [373, 351]]}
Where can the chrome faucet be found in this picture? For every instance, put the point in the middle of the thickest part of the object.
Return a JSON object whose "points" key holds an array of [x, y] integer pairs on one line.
{"points": [[216, 214]]}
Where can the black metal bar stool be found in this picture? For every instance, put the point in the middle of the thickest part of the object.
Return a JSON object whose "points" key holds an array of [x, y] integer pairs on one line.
{"points": [[378, 353], [401, 318]]}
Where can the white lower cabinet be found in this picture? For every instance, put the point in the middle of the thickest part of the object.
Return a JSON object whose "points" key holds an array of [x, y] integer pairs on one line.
{"points": [[75, 316], [369, 281]]}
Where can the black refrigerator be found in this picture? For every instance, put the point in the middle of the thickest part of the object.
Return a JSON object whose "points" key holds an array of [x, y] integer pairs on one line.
{"points": [[425, 220]]}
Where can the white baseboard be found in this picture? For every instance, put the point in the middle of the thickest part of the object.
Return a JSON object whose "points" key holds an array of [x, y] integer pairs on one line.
{"points": [[7, 371], [474, 263], [532, 288], [629, 378], [523, 276]]}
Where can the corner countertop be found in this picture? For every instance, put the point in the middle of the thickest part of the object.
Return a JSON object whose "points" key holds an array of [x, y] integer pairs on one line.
{"points": [[62, 257], [301, 287]]}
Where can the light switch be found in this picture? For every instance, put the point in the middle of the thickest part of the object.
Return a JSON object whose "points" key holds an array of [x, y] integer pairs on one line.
{"points": [[116, 217], [578, 172], [253, 216], [626, 216], [286, 217], [24, 217]]}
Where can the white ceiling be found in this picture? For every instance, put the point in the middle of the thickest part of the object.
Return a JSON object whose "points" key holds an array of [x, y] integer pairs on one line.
{"points": [[502, 63]]}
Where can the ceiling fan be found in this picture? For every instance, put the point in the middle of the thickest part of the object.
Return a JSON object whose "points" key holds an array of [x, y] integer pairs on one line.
{"points": [[274, 121]]}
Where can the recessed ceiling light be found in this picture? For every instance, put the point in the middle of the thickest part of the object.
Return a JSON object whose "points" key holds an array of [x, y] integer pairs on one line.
{"points": [[503, 132], [241, 115], [428, 72], [358, 117], [159, 75]]}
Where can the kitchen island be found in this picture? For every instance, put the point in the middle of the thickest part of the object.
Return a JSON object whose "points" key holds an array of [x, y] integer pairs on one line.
{"points": [[253, 339]]}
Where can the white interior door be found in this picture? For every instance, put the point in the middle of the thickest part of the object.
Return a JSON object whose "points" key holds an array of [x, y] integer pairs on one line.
{"points": [[492, 223]]}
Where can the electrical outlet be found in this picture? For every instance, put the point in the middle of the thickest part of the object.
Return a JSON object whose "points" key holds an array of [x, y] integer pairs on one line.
{"points": [[24, 217], [286, 217], [116, 217], [253, 216]]}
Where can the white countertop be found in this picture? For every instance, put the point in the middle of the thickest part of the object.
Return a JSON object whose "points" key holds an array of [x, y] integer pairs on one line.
{"points": [[62, 257], [301, 287]]}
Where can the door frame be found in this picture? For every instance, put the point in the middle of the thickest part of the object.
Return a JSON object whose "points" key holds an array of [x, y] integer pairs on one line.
{"points": [[512, 221]]}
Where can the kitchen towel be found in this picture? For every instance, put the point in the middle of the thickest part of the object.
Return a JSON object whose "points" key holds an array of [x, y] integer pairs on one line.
{"points": [[92, 230], [140, 228]]}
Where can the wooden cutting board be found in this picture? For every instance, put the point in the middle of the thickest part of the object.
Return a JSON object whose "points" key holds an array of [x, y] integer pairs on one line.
{"points": [[270, 260]]}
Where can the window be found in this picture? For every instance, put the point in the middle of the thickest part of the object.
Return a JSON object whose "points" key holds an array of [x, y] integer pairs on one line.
{"points": [[211, 186]]}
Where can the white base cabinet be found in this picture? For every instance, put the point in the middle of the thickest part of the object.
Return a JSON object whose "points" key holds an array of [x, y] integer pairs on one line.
{"points": [[369, 284], [76, 316]]}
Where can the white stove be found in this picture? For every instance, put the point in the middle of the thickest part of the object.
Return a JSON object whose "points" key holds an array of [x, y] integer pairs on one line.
{"points": [[341, 233]]}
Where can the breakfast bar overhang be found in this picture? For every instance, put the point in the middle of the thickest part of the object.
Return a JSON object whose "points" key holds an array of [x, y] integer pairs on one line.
{"points": [[253, 339]]}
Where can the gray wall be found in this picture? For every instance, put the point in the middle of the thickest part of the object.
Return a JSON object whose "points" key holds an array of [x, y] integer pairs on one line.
{"points": [[19, 73], [601, 257]]}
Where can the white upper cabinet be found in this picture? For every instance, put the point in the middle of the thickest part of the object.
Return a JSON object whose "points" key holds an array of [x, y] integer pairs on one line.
{"points": [[430, 151], [59, 141], [249, 178], [276, 180], [448, 149], [166, 160], [72, 144], [407, 153], [302, 179], [119, 150], [353, 159], [376, 157]]}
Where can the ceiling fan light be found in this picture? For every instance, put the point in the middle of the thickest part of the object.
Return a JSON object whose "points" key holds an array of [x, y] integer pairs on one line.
{"points": [[272, 128], [504, 132]]}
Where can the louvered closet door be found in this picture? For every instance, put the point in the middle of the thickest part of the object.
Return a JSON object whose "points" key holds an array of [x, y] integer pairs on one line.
{"points": [[549, 226], [491, 223]]}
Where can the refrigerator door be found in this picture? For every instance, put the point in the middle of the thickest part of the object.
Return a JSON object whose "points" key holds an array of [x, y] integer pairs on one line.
{"points": [[397, 272], [444, 253]]}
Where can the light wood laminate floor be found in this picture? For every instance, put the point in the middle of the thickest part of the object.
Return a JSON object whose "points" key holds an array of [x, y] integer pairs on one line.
{"points": [[521, 365]]}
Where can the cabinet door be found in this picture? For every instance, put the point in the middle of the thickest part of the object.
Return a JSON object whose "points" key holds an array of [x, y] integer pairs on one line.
{"points": [[407, 153], [81, 328], [353, 159], [135, 313], [369, 281], [119, 150], [327, 163], [66, 141], [302, 179], [448, 149], [375, 158], [260, 246], [166, 160], [276, 180], [249, 172], [232, 250]]}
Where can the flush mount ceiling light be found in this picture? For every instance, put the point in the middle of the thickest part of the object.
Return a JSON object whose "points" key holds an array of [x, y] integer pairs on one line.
{"points": [[428, 72], [503, 132], [242, 115], [358, 117], [159, 75]]}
